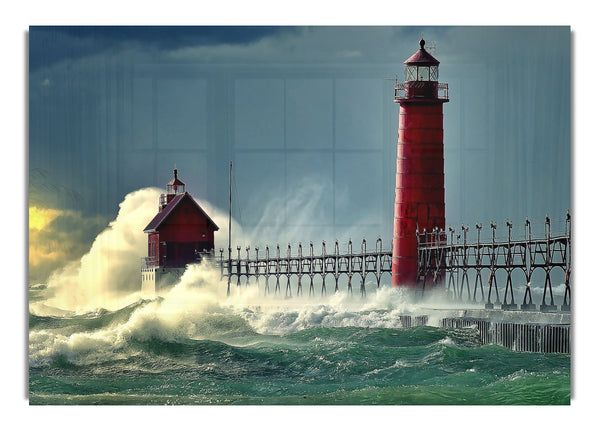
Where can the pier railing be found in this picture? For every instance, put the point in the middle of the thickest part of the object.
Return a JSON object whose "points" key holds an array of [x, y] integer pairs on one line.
{"points": [[308, 263], [448, 258], [445, 260]]}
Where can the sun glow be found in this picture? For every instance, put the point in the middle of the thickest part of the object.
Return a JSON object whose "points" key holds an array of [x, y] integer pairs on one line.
{"points": [[40, 217]]}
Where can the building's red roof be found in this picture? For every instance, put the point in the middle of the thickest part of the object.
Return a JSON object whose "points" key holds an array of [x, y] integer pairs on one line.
{"points": [[421, 57], [164, 214]]}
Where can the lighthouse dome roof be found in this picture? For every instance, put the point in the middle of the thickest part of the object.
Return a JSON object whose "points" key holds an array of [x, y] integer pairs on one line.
{"points": [[421, 57], [175, 181]]}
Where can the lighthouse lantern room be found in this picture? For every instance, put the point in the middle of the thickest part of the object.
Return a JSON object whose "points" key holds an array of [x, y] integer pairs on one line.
{"points": [[179, 234], [174, 187]]}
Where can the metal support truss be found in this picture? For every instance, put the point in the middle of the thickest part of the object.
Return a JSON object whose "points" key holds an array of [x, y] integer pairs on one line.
{"points": [[312, 266], [460, 260]]}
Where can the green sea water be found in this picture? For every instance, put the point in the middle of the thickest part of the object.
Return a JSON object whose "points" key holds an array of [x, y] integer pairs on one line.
{"points": [[340, 352]]}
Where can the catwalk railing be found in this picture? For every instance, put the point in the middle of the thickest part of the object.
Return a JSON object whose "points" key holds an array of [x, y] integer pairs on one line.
{"points": [[308, 266], [441, 263], [453, 263]]}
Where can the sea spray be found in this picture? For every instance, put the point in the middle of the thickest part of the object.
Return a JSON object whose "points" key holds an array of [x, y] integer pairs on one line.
{"points": [[110, 270], [108, 275], [198, 308]]}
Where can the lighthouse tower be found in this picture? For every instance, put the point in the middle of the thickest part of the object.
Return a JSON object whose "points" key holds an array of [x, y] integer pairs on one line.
{"points": [[420, 164]]}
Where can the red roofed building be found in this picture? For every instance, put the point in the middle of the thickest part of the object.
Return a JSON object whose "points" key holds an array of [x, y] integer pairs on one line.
{"points": [[181, 233]]}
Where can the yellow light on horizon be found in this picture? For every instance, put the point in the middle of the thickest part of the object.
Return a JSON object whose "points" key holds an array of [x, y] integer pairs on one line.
{"points": [[40, 217]]}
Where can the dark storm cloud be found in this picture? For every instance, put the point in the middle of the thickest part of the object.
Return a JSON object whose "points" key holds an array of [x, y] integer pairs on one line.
{"points": [[49, 44]]}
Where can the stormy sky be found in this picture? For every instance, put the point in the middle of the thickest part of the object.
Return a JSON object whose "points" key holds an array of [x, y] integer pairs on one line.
{"points": [[307, 116]]}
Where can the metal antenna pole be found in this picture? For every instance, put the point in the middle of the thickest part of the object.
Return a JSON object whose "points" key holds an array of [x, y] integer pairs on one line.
{"points": [[229, 245], [230, 169]]}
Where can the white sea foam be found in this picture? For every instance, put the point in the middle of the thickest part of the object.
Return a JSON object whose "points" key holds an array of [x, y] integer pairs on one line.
{"points": [[273, 314], [198, 308]]}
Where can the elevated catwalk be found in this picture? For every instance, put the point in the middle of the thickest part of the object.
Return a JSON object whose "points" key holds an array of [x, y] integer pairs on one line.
{"points": [[491, 309]]}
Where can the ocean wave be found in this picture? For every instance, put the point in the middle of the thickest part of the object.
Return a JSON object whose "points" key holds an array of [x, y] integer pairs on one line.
{"points": [[196, 325], [197, 309]]}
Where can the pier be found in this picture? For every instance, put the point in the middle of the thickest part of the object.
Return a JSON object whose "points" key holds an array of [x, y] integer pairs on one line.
{"points": [[462, 262], [312, 265], [447, 262], [456, 265]]}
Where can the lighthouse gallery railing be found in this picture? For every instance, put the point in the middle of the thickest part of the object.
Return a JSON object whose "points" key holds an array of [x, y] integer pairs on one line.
{"points": [[401, 89]]}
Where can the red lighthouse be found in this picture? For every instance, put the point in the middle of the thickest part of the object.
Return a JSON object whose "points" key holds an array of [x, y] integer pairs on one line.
{"points": [[420, 164], [181, 233]]}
